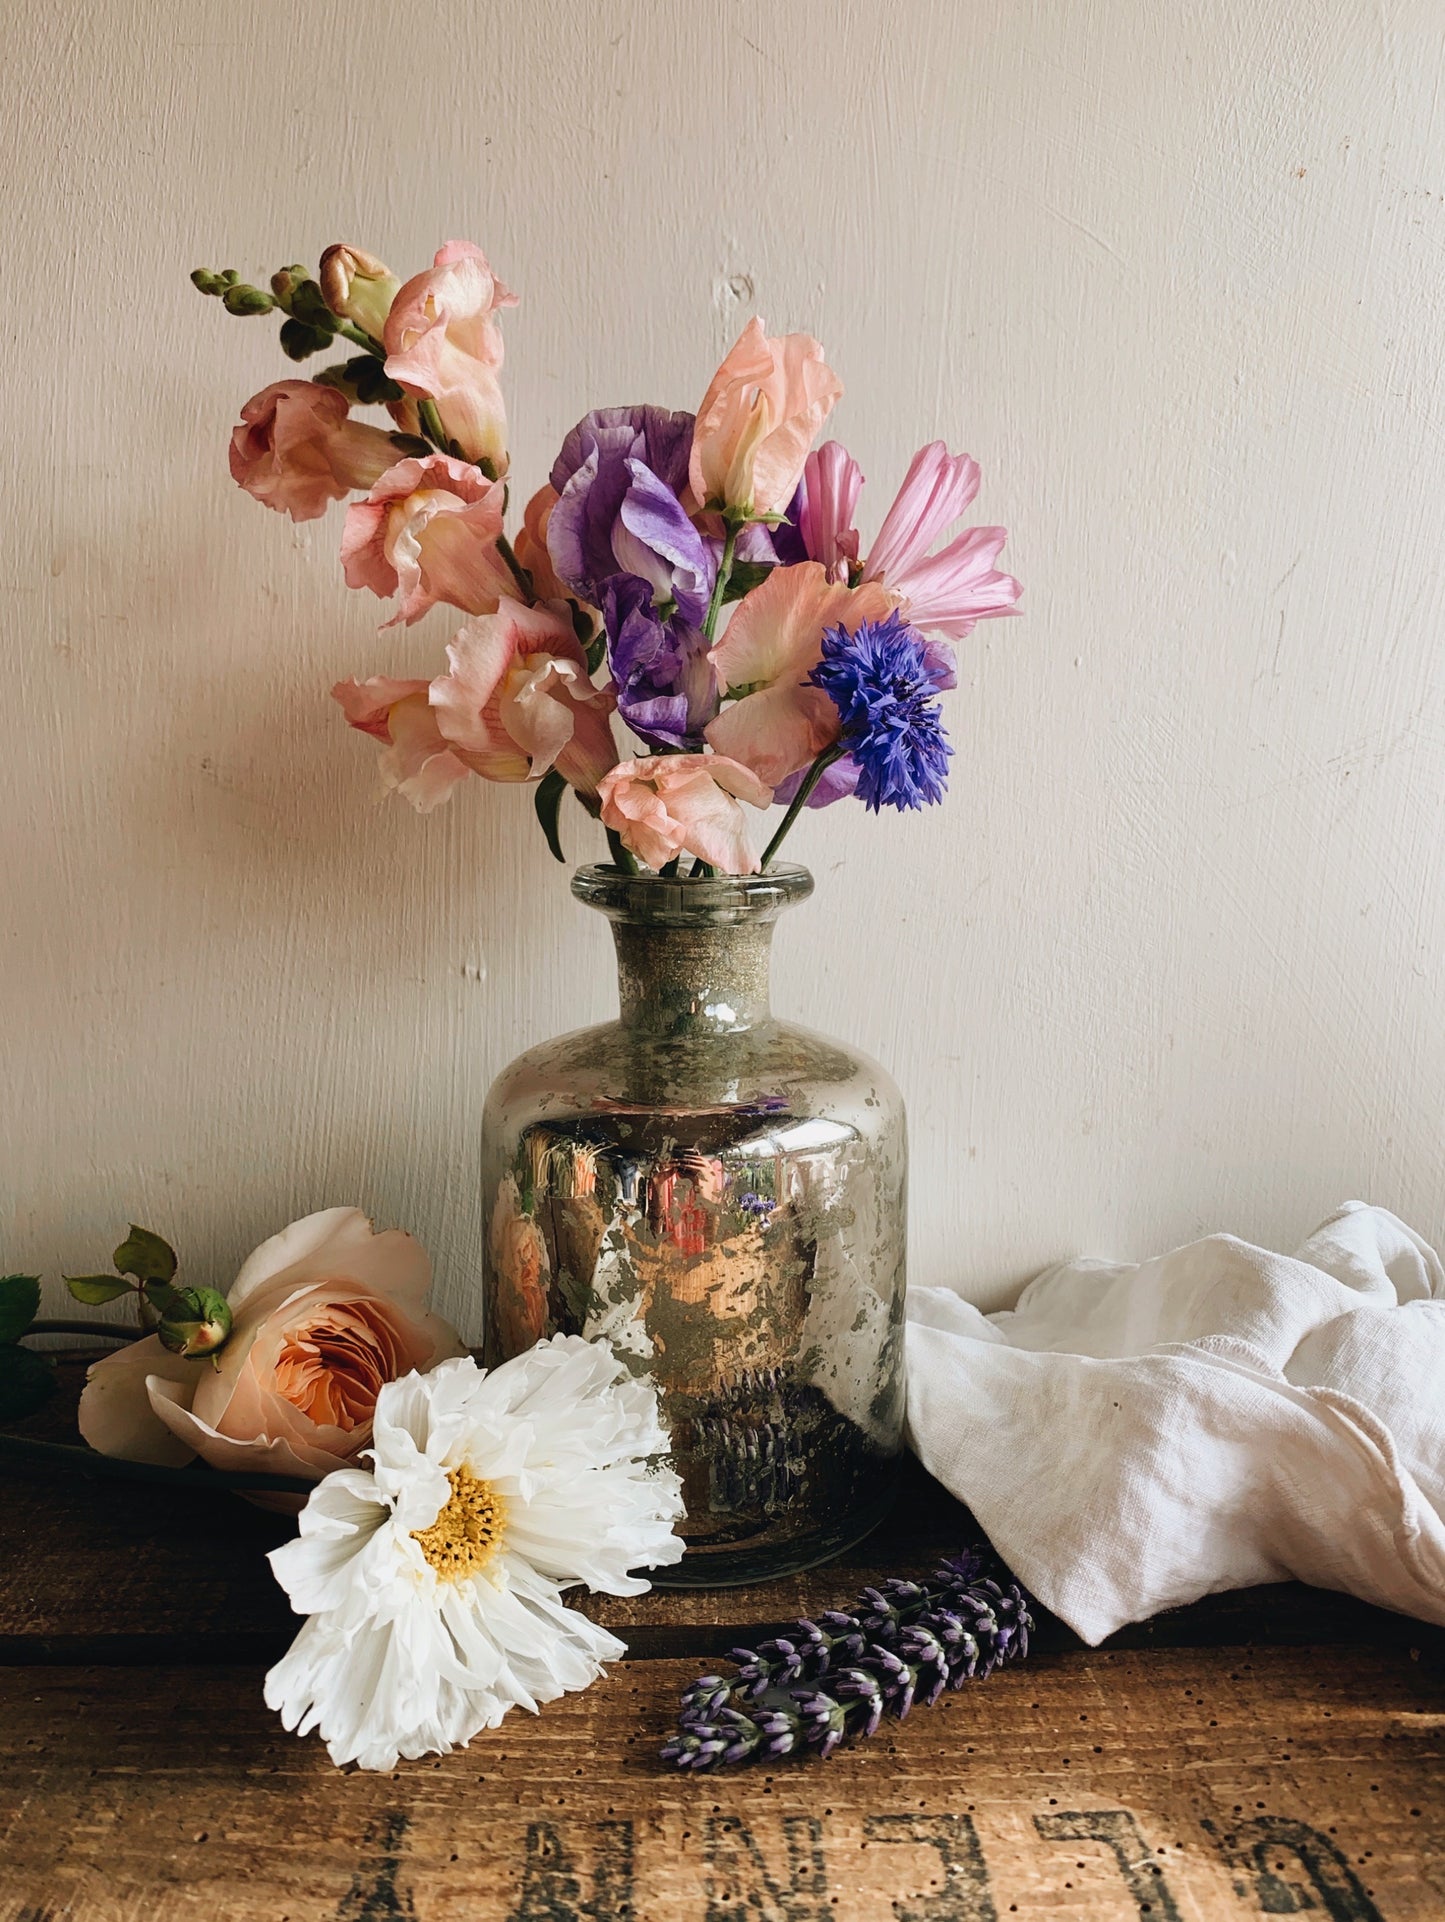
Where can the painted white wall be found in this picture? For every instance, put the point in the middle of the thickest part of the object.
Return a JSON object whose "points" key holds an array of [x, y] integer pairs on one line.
{"points": [[1169, 958]]}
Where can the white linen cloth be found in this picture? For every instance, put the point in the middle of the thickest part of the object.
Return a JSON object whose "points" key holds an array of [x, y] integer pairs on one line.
{"points": [[1131, 1438]]}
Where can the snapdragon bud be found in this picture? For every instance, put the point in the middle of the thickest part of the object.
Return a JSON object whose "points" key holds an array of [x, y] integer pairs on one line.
{"points": [[195, 1322], [241, 299], [358, 287], [285, 281], [207, 282]]}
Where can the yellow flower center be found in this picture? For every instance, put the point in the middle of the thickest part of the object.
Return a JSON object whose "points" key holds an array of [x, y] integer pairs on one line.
{"points": [[468, 1531]]}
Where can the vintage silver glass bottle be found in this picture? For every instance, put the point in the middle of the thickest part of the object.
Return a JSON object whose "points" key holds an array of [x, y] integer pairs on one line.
{"points": [[722, 1196]]}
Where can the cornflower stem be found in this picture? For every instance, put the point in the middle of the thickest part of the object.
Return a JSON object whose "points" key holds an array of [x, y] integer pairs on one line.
{"points": [[720, 582], [799, 801]]}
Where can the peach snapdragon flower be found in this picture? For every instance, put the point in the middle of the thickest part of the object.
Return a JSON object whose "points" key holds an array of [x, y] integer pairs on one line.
{"points": [[518, 699], [671, 804], [428, 532], [416, 761], [296, 449], [443, 344]]}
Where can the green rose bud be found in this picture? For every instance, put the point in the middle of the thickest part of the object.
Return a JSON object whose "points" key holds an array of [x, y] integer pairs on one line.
{"points": [[195, 1322], [245, 300]]}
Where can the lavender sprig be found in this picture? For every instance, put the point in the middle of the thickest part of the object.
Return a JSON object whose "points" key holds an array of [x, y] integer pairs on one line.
{"points": [[825, 1682]]}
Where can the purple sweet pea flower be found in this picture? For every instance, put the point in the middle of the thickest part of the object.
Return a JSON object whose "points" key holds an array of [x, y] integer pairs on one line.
{"points": [[666, 688], [618, 478]]}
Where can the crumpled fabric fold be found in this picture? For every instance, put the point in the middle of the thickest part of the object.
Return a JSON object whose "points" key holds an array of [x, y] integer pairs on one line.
{"points": [[1134, 1437]]}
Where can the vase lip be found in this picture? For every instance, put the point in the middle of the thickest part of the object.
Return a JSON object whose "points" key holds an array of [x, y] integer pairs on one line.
{"points": [[673, 902]]}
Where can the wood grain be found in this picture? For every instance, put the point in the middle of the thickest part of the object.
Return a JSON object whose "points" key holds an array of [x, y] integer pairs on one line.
{"points": [[1271, 1752], [1196, 1785]]}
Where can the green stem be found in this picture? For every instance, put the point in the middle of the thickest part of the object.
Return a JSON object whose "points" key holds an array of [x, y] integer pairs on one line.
{"points": [[621, 856], [519, 573], [701, 870], [799, 801], [719, 586], [431, 424], [345, 328]]}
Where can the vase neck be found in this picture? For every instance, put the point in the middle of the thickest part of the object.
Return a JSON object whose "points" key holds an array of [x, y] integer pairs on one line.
{"points": [[685, 982], [692, 956]]}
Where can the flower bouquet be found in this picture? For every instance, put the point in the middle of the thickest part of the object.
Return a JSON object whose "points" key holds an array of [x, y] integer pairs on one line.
{"points": [[697, 576], [718, 1195]]}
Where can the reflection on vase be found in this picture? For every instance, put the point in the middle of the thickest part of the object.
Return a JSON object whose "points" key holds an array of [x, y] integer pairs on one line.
{"points": [[720, 1195]]}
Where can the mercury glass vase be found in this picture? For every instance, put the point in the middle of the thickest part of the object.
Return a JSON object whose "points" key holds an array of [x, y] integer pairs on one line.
{"points": [[721, 1196]]}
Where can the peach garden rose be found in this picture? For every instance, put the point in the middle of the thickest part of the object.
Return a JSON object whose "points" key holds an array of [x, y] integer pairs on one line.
{"points": [[323, 1315]]}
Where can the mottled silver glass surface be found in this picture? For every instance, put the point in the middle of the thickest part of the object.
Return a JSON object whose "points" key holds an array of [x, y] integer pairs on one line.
{"points": [[722, 1196]]}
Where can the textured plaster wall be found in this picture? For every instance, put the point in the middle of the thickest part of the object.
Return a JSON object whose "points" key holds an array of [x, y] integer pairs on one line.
{"points": [[1169, 959]]}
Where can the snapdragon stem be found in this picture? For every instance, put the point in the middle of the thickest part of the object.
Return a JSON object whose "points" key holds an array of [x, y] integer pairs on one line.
{"points": [[348, 332], [720, 582], [799, 801], [519, 573], [431, 424]]}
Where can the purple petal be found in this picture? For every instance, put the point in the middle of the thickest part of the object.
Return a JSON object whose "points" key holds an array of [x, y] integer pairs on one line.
{"points": [[837, 783]]}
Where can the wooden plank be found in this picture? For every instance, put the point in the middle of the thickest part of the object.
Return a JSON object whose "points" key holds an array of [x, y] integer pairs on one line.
{"points": [[1183, 1786], [173, 1577]]}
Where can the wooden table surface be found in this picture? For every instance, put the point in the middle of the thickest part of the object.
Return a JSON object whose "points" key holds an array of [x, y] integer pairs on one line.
{"points": [[1268, 1753]]}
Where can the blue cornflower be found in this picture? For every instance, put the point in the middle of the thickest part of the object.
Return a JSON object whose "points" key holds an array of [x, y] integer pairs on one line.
{"points": [[884, 681]]}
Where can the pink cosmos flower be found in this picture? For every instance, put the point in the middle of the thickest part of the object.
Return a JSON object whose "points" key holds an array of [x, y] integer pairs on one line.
{"points": [[428, 532], [952, 590], [443, 344], [757, 421], [674, 804], [831, 483], [297, 450], [781, 725], [416, 762], [323, 1314], [518, 699]]}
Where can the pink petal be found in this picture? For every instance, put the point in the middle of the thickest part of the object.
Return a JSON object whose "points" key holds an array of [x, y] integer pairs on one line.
{"points": [[950, 591], [936, 490], [115, 1414], [832, 480], [776, 631], [776, 731]]}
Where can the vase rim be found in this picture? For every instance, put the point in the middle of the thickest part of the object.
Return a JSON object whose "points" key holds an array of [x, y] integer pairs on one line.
{"points": [[673, 902]]}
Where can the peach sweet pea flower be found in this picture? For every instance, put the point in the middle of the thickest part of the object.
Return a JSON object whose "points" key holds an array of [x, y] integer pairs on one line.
{"points": [[323, 1314], [757, 421], [781, 724], [416, 762], [428, 532], [674, 804], [443, 344], [518, 699], [297, 450]]}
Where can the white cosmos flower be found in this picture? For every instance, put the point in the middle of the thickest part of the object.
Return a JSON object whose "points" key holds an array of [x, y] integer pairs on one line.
{"points": [[433, 1582]]}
